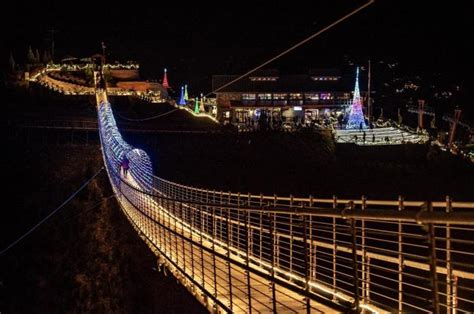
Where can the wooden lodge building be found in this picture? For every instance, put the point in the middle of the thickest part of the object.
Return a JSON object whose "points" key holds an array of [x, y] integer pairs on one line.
{"points": [[284, 96]]}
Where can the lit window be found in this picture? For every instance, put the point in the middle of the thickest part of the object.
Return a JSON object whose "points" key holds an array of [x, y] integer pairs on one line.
{"points": [[263, 78], [326, 96], [248, 96], [296, 96], [312, 96], [265, 96], [279, 96]]}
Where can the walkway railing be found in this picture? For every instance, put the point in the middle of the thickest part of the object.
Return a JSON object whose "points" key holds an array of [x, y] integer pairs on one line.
{"points": [[255, 253]]}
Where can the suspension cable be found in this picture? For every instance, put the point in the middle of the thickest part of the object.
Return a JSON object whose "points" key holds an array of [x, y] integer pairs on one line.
{"points": [[103, 200], [293, 47], [52, 213]]}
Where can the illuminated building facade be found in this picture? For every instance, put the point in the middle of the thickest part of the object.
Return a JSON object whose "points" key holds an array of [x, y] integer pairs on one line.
{"points": [[283, 96]]}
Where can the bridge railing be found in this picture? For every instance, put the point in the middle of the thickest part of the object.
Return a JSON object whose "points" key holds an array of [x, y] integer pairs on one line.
{"points": [[364, 252]]}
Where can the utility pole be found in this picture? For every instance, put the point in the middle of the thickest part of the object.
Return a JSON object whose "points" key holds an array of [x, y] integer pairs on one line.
{"points": [[52, 31], [103, 52], [369, 105], [421, 111], [454, 121]]}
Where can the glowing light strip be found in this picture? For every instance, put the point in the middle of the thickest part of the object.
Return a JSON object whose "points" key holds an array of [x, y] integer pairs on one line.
{"points": [[199, 115], [114, 149]]}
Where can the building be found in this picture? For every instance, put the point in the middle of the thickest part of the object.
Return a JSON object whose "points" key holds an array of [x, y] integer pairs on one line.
{"points": [[284, 97]]}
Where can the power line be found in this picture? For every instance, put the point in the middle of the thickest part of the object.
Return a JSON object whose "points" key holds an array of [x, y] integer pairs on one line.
{"points": [[149, 118], [52, 213], [294, 46]]}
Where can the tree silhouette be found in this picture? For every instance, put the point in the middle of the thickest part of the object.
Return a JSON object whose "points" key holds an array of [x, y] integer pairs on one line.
{"points": [[46, 57], [30, 57], [37, 57], [11, 63]]}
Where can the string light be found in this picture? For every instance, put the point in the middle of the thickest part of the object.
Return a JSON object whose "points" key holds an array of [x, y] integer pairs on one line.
{"points": [[115, 149]]}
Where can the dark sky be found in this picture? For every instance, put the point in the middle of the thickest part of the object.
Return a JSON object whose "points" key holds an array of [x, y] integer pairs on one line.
{"points": [[197, 40]]}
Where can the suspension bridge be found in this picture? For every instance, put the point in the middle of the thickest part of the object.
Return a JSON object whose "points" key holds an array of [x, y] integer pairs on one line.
{"points": [[245, 253]]}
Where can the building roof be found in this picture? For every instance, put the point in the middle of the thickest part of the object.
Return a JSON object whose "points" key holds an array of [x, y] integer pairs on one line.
{"points": [[317, 80]]}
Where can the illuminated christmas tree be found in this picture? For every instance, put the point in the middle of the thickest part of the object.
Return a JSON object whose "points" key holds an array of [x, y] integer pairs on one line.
{"points": [[186, 92], [181, 98], [165, 80], [196, 105], [201, 103], [356, 116]]}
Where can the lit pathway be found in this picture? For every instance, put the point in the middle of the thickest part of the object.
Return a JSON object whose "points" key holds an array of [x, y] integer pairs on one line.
{"points": [[383, 136]]}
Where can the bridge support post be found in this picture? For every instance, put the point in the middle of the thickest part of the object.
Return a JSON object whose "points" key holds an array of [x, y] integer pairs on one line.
{"points": [[176, 232], [312, 251], [364, 260], [221, 223], [183, 244], [334, 250], [433, 263], [291, 235], [170, 238], [192, 214], [272, 257], [247, 260], [200, 241], [355, 264], [306, 264], [229, 268], [238, 219], [276, 248], [449, 269], [400, 258], [261, 227], [455, 294], [214, 234], [159, 225]]}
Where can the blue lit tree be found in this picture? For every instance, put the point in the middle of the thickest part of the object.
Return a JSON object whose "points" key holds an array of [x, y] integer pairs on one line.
{"points": [[181, 98], [356, 116]]}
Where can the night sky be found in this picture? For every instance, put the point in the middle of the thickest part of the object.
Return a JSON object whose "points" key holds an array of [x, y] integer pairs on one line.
{"points": [[196, 41]]}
